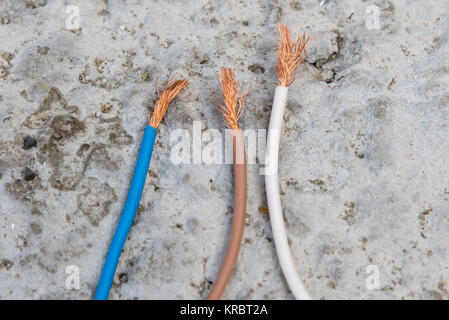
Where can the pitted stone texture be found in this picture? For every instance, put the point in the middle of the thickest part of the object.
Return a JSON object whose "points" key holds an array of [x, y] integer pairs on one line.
{"points": [[363, 159]]}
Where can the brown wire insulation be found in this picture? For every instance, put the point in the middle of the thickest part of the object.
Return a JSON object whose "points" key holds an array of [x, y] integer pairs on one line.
{"points": [[238, 221]]}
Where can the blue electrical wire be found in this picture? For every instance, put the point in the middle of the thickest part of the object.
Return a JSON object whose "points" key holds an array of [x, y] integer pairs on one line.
{"points": [[128, 214]]}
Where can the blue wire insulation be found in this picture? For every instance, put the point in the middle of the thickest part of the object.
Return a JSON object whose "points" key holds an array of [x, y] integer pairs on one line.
{"points": [[128, 214]]}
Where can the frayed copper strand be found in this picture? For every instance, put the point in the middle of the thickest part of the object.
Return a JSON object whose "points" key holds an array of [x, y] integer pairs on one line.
{"points": [[290, 55], [171, 89], [232, 97]]}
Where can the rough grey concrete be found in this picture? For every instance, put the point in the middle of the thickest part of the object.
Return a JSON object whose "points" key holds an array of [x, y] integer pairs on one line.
{"points": [[364, 156]]}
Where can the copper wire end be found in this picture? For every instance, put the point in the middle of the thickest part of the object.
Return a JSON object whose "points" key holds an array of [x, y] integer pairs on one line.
{"points": [[290, 55], [171, 89], [232, 97]]}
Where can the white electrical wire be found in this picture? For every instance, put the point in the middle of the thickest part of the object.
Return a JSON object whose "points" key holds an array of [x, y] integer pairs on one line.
{"points": [[274, 200]]}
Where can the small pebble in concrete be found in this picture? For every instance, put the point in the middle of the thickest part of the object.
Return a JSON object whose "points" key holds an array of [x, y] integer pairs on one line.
{"points": [[29, 174], [42, 50], [256, 68], [123, 277], [29, 142]]}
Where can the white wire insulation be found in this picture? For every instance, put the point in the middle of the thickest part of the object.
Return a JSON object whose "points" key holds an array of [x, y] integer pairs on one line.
{"points": [[274, 200]]}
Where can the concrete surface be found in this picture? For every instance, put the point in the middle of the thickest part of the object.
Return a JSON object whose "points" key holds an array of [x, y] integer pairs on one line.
{"points": [[364, 160]]}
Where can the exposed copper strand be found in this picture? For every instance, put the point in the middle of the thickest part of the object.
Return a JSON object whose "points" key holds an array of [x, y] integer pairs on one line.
{"points": [[290, 55], [232, 97], [171, 89]]}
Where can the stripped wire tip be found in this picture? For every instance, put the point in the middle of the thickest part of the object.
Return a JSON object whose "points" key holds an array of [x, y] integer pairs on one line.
{"points": [[290, 55], [232, 97], [171, 89]]}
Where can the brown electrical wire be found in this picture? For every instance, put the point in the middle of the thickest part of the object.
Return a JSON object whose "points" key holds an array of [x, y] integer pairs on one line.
{"points": [[290, 55], [232, 108], [171, 89]]}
